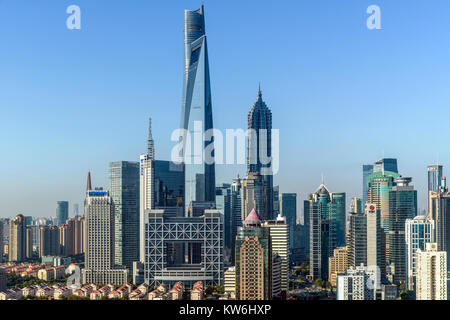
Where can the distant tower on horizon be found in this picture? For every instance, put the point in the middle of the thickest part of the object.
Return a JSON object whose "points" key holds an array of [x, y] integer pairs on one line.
{"points": [[196, 112], [89, 184]]}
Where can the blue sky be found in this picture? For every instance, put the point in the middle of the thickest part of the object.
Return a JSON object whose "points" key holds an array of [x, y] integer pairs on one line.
{"points": [[342, 95]]}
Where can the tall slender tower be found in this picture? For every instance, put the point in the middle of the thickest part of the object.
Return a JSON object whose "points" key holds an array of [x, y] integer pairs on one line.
{"points": [[146, 187], [196, 115], [260, 149]]}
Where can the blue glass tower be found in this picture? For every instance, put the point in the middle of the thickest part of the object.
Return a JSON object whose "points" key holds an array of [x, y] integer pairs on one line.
{"points": [[196, 117], [62, 212]]}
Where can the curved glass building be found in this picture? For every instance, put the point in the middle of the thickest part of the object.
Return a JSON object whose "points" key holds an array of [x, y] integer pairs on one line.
{"points": [[196, 116]]}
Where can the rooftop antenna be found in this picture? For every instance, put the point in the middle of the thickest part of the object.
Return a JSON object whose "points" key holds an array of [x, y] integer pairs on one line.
{"points": [[323, 179]]}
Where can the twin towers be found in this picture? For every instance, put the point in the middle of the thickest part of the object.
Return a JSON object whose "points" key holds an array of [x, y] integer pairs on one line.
{"points": [[197, 108]]}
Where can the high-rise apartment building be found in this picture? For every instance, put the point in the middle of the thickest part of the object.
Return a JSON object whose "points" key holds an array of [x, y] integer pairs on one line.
{"points": [[29, 243], [418, 232], [196, 115], [77, 235], [49, 241], [17, 239], [431, 273], [99, 255], [253, 260], [62, 212], [280, 238], [260, 150], [124, 190], [354, 284]]}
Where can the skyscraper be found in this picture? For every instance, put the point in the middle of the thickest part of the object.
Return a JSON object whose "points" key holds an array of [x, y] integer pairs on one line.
{"points": [[236, 212], [279, 236], [418, 232], [48, 241], [431, 274], [124, 190], [99, 256], [434, 179], [146, 190], [357, 239], [169, 184], [223, 203], [260, 149], [62, 212], [253, 260], [17, 239], [385, 164], [367, 170], [196, 116], [288, 209], [376, 255], [402, 206]]}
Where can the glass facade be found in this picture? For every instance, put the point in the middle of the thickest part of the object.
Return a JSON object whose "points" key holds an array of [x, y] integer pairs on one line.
{"points": [[197, 110], [288, 206], [62, 212], [169, 184], [223, 203], [124, 190]]}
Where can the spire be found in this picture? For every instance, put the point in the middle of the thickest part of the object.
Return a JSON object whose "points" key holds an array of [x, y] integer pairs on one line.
{"points": [[89, 184], [259, 91], [150, 142]]}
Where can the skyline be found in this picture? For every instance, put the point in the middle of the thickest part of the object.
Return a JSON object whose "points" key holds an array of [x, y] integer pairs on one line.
{"points": [[70, 166]]}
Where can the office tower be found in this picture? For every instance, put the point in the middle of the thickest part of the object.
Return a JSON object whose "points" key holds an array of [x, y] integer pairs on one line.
{"points": [[327, 228], [402, 206], [62, 212], [99, 256], [196, 115], [147, 196], [431, 274], [336, 215], [17, 239], [357, 239], [223, 203], [124, 191], [76, 235], [236, 212], [276, 200], [338, 263], [434, 179], [385, 164], [169, 184], [288, 209], [253, 260], [376, 256], [170, 257], [29, 243], [418, 232], [28, 220], [367, 170], [279, 235], [48, 241], [260, 150], [353, 284], [252, 195], [306, 226]]}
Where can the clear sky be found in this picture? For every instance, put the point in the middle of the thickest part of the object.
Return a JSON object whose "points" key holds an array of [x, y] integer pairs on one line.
{"points": [[342, 95]]}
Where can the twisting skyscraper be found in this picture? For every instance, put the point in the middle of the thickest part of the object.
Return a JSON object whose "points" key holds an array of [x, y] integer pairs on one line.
{"points": [[260, 150], [196, 116]]}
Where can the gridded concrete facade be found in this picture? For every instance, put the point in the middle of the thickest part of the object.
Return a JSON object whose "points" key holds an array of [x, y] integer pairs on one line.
{"points": [[431, 274], [166, 233], [338, 263], [355, 285]]}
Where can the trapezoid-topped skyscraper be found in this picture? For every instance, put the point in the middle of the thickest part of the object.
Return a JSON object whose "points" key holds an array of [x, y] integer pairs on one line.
{"points": [[196, 115]]}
